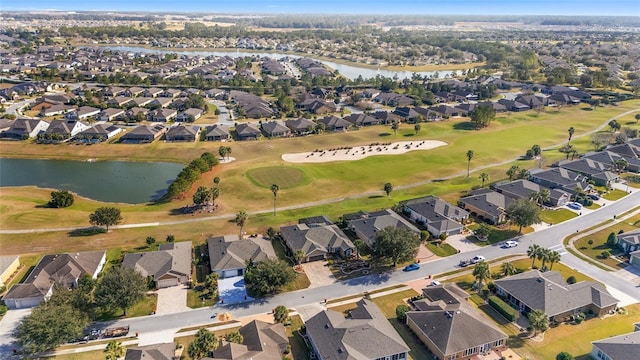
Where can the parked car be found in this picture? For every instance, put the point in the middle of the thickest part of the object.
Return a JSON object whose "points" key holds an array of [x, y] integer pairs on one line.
{"points": [[464, 263], [412, 267], [435, 283], [476, 259], [509, 244], [594, 197], [574, 206]]}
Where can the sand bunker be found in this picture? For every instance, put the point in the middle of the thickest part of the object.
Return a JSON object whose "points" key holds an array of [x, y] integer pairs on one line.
{"points": [[361, 152]]}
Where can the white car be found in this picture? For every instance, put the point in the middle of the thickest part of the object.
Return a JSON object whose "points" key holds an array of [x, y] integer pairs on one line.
{"points": [[510, 244], [435, 283], [477, 259]]}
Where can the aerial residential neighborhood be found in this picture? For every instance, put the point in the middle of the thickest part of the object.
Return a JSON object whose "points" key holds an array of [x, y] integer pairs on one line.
{"points": [[332, 180]]}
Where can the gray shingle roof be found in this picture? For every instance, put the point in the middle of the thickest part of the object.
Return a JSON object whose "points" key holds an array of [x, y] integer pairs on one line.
{"points": [[164, 351], [262, 341], [550, 293], [366, 334], [170, 258], [371, 225], [622, 347], [228, 252], [315, 240]]}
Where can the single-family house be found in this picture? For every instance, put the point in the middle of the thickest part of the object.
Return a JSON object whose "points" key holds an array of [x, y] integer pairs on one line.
{"points": [[137, 114], [549, 292], [143, 134], [112, 91], [161, 102], [152, 92], [334, 123], [9, 264], [83, 112], [487, 205], [316, 241], [364, 334], [525, 189], [634, 258], [162, 115], [598, 172], [450, 328], [301, 126], [111, 114], [140, 101], [183, 133], [436, 215], [217, 132], [248, 131], [171, 93], [22, 129], [134, 91], [629, 241], [261, 341], [54, 110], [228, 255], [190, 115], [621, 347], [559, 178], [275, 128], [162, 351], [362, 119], [119, 101], [370, 224], [61, 130], [98, 132], [62, 269], [393, 99], [318, 106], [169, 266]]}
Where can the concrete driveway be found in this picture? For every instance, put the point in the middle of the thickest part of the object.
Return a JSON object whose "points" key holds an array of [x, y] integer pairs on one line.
{"points": [[7, 324], [318, 273], [460, 243], [172, 300]]}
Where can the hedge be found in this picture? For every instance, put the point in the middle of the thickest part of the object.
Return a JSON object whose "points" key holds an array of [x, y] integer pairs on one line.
{"points": [[503, 308]]}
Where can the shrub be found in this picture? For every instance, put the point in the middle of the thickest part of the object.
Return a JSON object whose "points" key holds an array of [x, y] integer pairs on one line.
{"points": [[590, 242], [612, 240], [571, 280], [605, 254], [492, 287], [503, 308], [401, 312]]}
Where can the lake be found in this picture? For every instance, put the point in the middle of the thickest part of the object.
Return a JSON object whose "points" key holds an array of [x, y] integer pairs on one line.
{"points": [[108, 181], [351, 72]]}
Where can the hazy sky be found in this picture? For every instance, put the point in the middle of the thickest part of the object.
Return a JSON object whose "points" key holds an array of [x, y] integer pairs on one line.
{"points": [[512, 7], [515, 7]]}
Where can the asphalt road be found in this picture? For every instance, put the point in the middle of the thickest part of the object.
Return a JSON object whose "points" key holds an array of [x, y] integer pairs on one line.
{"points": [[548, 238]]}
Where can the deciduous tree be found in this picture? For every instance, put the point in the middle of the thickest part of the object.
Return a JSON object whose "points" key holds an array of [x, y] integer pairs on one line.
{"points": [[482, 116], [105, 216], [204, 342], [397, 244], [388, 188], [523, 212], [61, 199], [114, 350], [120, 287], [268, 277]]}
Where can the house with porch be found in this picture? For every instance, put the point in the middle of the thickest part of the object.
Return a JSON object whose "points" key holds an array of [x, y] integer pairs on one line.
{"points": [[228, 255], [143, 134], [436, 215], [183, 133], [334, 123], [62, 130], [487, 205], [275, 128], [98, 132], [525, 189], [629, 242], [190, 115], [301, 126], [217, 132], [317, 241], [451, 328], [22, 129], [169, 266], [261, 340], [364, 334], [54, 270], [549, 292], [370, 224], [560, 178], [248, 131], [621, 347]]}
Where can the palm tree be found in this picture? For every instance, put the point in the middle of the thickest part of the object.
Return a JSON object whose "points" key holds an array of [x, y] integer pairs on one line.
{"points": [[417, 128], [299, 255], [538, 320], [571, 131], [114, 350], [215, 193], [484, 177], [241, 220], [508, 269], [469, 157], [554, 257], [481, 273], [532, 253], [395, 127], [544, 256], [513, 171], [228, 152], [274, 190], [543, 196], [359, 245]]}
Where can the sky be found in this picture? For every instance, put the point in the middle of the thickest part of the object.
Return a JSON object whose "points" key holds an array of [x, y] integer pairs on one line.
{"points": [[437, 7]]}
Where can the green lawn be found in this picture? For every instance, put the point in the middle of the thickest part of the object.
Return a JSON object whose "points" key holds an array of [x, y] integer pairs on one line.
{"points": [[285, 177], [599, 239], [441, 249], [145, 307], [299, 349], [196, 295], [556, 216], [614, 194], [87, 355]]}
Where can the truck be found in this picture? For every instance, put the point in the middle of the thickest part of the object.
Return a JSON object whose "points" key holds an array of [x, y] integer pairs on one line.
{"points": [[116, 332]]}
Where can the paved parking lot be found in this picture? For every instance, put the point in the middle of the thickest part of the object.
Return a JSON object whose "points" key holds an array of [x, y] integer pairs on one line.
{"points": [[318, 273], [172, 300]]}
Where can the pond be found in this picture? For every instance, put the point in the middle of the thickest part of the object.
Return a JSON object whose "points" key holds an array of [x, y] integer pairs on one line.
{"points": [[351, 72], [108, 181]]}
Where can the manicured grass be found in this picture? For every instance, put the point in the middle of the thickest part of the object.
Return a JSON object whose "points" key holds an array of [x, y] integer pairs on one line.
{"points": [[299, 349], [498, 233], [86, 355], [599, 238], [564, 337], [145, 307], [284, 176], [556, 216], [195, 296], [614, 194], [442, 249]]}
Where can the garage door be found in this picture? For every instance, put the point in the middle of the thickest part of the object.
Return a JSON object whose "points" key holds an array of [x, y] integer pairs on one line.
{"points": [[316, 258], [167, 283]]}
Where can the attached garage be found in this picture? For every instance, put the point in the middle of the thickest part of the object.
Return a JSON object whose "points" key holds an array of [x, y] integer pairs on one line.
{"points": [[22, 303], [166, 281], [232, 273]]}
